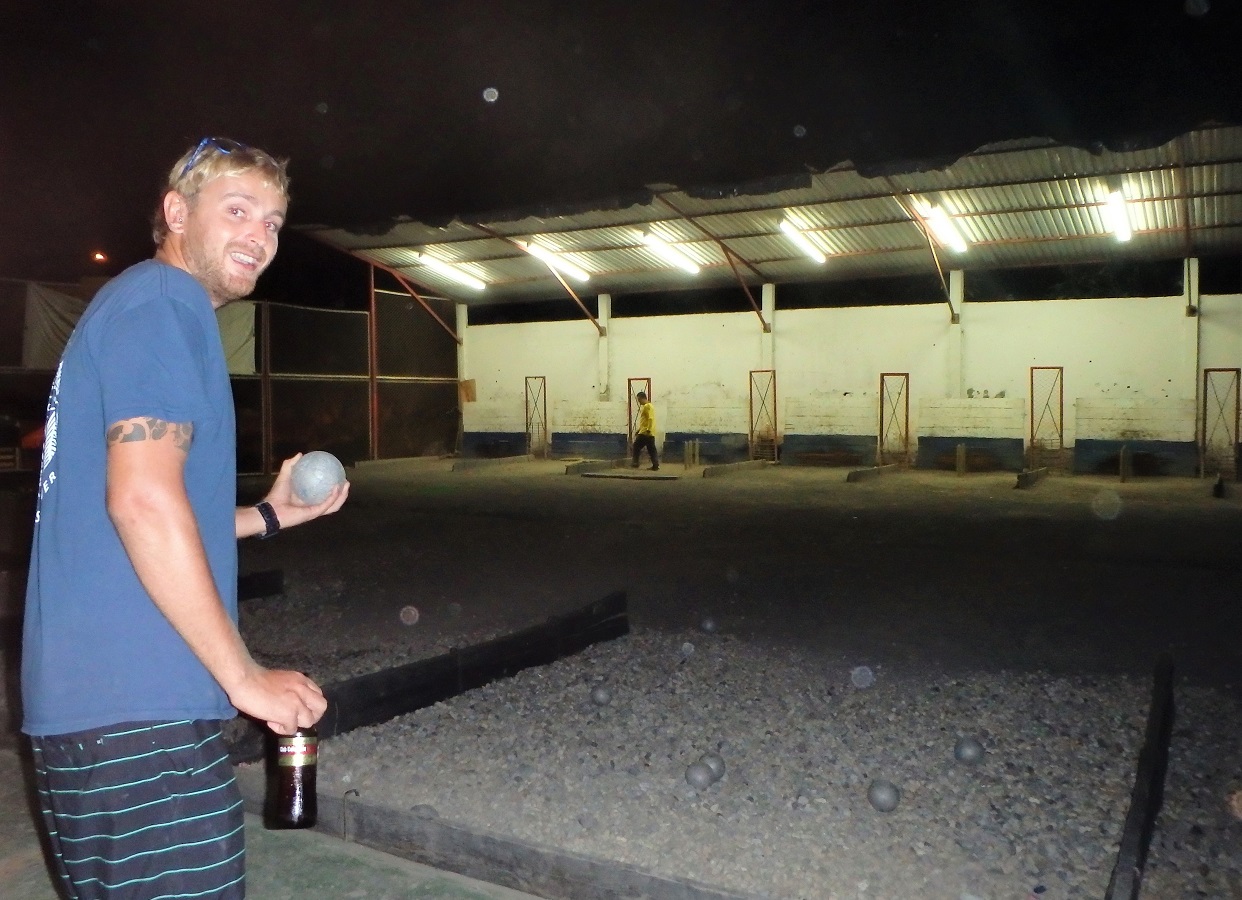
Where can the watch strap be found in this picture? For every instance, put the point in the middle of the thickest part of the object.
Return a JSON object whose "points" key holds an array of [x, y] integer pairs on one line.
{"points": [[269, 518]]}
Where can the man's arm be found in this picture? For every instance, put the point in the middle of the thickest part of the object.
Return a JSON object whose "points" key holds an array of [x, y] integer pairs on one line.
{"points": [[151, 511], [289, 512]]}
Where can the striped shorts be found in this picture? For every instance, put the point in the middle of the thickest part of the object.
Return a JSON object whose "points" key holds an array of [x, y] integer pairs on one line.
{"points": [[142, 811]]}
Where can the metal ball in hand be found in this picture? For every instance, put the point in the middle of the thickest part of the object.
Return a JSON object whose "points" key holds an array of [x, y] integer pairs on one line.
{"points": [[315, 475]]}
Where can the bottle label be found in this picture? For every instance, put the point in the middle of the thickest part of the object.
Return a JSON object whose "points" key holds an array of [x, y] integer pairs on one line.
{"points": [[297, 751]]}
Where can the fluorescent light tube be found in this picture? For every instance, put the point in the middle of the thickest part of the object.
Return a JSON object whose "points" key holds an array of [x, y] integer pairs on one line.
{"points": [[804, 243], [945, 231], [668, 252], [1117, 217], [451, 272], [554, 261]]}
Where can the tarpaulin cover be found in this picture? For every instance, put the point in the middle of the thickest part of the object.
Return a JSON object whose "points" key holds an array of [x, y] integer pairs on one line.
{"points": [[237, 334], [50, 317]]}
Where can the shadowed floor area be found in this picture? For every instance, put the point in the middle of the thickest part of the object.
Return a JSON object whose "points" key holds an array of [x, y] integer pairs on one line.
{"points": [[918, 569]]}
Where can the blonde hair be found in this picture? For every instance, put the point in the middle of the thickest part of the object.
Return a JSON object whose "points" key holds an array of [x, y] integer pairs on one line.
{"points": [[214, 158]]}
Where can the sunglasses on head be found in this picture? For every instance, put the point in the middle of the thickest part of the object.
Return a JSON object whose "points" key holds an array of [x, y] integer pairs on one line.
{"points": [[223, 145]]}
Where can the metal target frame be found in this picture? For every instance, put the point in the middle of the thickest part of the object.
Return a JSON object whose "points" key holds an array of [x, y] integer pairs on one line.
{"points": [[537, 441], [893, 439], [1047, 415], [763, 434], [1219, 418]]}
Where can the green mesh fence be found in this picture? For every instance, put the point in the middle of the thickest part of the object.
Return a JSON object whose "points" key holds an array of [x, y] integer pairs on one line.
{"points": [[411, 342], [319, 387]]}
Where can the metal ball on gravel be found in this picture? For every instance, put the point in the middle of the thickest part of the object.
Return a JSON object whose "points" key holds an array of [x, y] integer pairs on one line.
{"points": [[715, 762], [968, 750], [699, 776], [884, 795], [601, 696], [862, 677]]}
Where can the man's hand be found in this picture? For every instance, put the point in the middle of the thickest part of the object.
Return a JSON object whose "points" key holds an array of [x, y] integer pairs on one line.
{"points": [[285, 700], [292, 511], [289, 509]]}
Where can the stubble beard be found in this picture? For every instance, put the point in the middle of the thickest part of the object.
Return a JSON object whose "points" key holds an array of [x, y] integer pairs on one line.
{"points": [[208, 268]]}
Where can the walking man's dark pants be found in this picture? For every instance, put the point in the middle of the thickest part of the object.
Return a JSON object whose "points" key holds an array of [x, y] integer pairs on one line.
{"points": [[648, 441]]}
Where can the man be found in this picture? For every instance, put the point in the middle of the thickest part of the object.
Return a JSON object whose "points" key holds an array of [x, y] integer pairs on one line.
{"points": [[645, 433], [131, 653]]}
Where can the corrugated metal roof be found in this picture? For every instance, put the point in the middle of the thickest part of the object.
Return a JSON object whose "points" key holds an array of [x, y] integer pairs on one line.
{"points": [[1019, 203]]}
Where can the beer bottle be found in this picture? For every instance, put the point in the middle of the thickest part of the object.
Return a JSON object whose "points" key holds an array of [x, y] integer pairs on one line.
{"points": [[296, 760]]}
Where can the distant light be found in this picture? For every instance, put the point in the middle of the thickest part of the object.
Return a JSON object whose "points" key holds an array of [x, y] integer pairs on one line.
{"points": [[804, 243], [943, 228], [1116, 216], [491, 95], [554, 261], [799, 131], [99, 256], [668, 252], [451, 272]]}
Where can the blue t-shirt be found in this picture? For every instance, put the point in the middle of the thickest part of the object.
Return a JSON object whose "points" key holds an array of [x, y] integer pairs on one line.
{"points": [[96, 650]]}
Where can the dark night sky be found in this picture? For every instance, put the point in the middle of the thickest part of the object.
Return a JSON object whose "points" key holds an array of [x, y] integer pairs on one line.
{"points": [[379, 104]]}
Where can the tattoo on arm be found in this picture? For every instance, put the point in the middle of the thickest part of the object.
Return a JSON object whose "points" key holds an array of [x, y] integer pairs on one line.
{"points": [[147, 428]]}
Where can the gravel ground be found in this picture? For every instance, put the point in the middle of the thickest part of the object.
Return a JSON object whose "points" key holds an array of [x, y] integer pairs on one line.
{"points": [[537, 758], [1028, 620]]}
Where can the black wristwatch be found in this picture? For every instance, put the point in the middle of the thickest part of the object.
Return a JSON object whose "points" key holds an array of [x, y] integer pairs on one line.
{"points": [[269, 518]]}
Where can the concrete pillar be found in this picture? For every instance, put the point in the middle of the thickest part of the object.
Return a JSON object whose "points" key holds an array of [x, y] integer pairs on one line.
{"points": [[767, 345], [955, 387], [604, 370], [463, 369], [1191, 338]]}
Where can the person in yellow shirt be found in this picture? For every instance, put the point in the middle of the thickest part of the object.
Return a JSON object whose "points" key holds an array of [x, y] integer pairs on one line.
{"points": [[645, 433]]}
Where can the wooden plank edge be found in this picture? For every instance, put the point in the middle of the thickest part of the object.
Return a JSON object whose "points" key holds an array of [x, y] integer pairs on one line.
{"points": [[645, 475], [1030, 477], [715, 471], [589, 465], [493, 858], [466, 463], [857, 475], [1148, 793], [379, 696]]}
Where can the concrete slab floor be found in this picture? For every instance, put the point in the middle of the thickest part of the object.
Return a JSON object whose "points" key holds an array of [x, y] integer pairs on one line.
{"points": [[281, 865]]}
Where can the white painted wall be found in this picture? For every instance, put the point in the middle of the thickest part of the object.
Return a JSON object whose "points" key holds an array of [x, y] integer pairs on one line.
{"points": [[985, 418], [502, 356], [828, 363], [1129, 348], [699, 368], [1124, 418], [1220, 334], [1130, 367], [826, 413]]}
